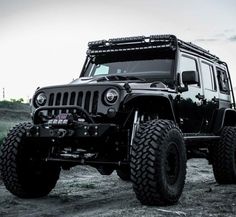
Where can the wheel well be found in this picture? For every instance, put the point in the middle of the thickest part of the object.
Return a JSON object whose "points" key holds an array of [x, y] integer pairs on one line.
{"points": [[225, 117], [230, 118], [154, 104]]}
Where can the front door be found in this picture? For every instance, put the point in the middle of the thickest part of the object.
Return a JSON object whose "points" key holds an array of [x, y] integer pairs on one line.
{"points": [[190, 106]]}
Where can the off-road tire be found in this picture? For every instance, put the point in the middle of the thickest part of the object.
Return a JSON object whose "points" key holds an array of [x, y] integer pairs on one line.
{"points": [[158, 163], [224, 157], [22, 169], [124, 174]]}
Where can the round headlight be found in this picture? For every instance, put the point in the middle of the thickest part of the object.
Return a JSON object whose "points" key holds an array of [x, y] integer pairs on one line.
{"points": [[41, 99], [111, 96]]}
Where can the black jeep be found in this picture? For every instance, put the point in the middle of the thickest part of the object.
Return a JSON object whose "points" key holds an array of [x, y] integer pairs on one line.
{"points": [[142, 106]]}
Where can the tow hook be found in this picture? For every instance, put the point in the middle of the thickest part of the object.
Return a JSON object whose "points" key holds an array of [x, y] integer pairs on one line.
{"points": [[61, 133]]}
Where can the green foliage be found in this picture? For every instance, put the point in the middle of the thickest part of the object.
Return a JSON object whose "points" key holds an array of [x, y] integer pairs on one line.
{"points": [[16, 104], [21, 100]]}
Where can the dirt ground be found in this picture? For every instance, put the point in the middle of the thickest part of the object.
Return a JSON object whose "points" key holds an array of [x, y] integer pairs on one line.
{"points": [[82, 191]]}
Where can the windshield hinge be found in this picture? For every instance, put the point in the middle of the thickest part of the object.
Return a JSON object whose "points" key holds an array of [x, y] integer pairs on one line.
{"points": [[127, 87]]}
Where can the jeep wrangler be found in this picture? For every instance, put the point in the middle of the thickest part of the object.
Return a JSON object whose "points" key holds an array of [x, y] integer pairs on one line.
{"points": [[142, 106]]}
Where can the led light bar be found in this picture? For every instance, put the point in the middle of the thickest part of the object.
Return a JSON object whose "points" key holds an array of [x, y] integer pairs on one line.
{"points": [[127, 39], [100, 51], [92, 44], [162, 37]]}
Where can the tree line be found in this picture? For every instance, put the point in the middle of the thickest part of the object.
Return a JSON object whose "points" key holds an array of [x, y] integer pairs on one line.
{"points": [[14, 104]]}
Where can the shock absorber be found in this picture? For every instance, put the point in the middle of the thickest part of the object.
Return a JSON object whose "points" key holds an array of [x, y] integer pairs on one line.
{"points": [[135, 126]]}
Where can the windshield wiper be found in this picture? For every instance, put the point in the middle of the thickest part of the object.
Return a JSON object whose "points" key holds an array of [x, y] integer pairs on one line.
{"points": [[118, 78]]}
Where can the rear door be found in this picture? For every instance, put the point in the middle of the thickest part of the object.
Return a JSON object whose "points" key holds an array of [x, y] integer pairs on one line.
{"points": [[210, 92], [224, 90]]}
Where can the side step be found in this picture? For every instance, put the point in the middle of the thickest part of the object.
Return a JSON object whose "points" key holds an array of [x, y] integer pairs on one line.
{"points": [[116, 164], [201, 137], [200, 140]]}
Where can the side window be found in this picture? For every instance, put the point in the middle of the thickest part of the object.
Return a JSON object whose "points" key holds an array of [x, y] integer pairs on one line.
{"points": [[208, 76], [189, 64], [222, 81]]}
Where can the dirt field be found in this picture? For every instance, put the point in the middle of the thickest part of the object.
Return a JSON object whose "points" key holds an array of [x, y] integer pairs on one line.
{"points": [[84, 192]]}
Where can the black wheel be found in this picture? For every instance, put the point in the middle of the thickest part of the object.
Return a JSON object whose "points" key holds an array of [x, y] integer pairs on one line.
{"points": [[23, 171], [124, 174], [158, 163], [224, 157]]}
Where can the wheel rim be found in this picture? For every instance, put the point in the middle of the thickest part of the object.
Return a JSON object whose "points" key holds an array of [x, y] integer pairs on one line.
{"points": [[172, 164]]}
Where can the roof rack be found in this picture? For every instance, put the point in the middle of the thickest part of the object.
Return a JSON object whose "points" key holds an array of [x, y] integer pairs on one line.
{"points": [[144, 43], [196, 49]]}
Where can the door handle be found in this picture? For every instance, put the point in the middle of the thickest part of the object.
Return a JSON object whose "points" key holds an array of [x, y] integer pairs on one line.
{"points": [[200, 97], [215, 100]]}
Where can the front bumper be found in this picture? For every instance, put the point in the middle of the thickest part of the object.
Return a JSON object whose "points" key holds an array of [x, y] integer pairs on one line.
{"points": [[67, 125], [76, 130]]}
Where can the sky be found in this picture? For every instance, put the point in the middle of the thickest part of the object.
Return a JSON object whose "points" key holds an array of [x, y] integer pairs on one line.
{"points": [[44, 42]]}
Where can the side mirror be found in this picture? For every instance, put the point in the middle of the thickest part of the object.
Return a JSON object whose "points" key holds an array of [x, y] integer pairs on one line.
{"points": [[189, 77]]}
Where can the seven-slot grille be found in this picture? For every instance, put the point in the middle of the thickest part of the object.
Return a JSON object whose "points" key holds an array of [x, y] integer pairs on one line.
{"points": [[87, 100]]}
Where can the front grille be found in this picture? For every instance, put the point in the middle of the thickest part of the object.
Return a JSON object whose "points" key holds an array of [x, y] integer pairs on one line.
{"points": [[88, 100]]}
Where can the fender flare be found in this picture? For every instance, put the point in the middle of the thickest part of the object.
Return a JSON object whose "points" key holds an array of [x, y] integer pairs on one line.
{"points": [[139, 99], [224, 117]]}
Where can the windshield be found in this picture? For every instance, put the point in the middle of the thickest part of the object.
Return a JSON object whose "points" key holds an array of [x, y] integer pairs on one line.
{"points": [[149, 66]]}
